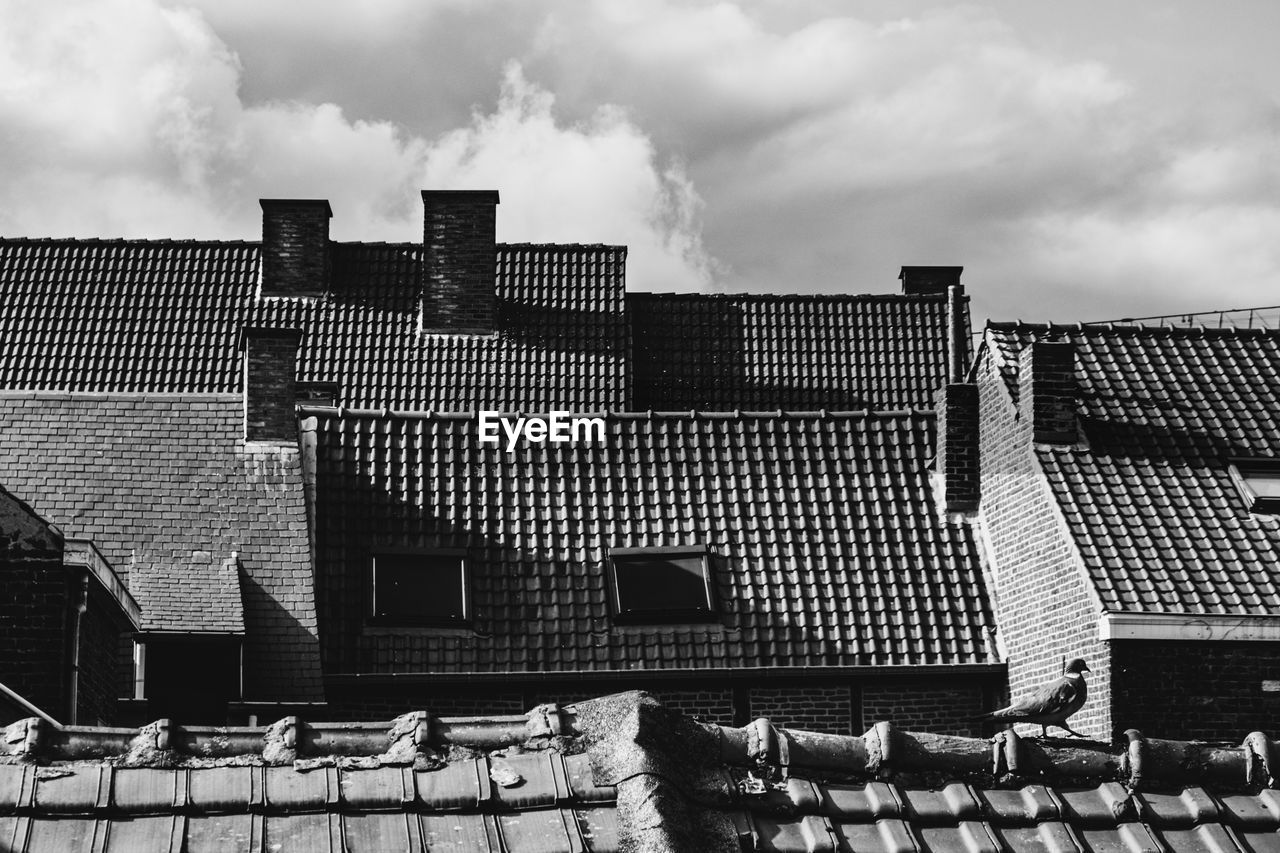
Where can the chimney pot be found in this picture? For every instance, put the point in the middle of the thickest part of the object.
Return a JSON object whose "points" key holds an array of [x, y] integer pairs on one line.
{"points": [[271, 384], [1047, 390], [295, 246], [460, 287], [930, 280]]}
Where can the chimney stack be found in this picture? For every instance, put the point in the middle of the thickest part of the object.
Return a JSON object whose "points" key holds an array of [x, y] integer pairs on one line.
{"points": [[957, 456], [1047, 390], [271, 384], [929, 280], [460, 287], [295, 246]]}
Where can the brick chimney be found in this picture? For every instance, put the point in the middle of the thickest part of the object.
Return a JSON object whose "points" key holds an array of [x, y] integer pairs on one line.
{"points": [[957, 457], [1047, 390], [295, 246], [459, 288], [929, 280], [270, 384]]}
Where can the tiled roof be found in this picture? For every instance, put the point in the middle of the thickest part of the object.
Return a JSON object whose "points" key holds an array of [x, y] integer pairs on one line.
{"points": [[623, 773], [716, 353], [209, 534], [826, 546], [130, 316], [1148, 495]]}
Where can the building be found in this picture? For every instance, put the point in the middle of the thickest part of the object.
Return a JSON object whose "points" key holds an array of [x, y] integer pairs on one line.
{"points": [[621, 773], [1128, 480], [258, 437]]}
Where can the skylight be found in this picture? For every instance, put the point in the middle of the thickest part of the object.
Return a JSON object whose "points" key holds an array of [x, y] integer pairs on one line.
{"points": [[661, 584], [1258, 480]]}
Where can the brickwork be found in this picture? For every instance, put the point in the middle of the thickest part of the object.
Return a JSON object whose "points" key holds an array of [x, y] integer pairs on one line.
{"points": [[101, 666], [1194, 690], [712, 705], [1047, 383], [295, 247], [813, 707], [1043, 603], [459, 293], [271, 372], [33, 609], [367, 703], [957, 460], [934, 706]]}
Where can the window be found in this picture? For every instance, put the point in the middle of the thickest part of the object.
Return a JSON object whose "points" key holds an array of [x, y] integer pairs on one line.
{"points": [[661, 585], [1259, 483], [419, 588]]}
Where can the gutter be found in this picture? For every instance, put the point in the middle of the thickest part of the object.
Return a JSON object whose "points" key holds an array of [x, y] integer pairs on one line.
{"points": [[1201, 627]]}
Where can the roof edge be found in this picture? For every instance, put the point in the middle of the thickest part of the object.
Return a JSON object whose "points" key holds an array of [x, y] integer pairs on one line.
{"points": [[1200, 627]]}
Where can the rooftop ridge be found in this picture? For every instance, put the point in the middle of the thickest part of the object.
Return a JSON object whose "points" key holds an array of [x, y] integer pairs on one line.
{"points": [[130, 241], [135, 396], [1137, 329], [767, 414], [882, 753]]}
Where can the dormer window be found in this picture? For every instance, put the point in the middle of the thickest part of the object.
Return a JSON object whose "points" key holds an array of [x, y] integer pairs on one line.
{"points": [[661, 585], [1258, 480], [419, 588]]}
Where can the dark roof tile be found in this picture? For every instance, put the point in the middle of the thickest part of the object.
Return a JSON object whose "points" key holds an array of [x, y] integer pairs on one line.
{"points": [[822, 532], [1163, 410], [167, 491]]}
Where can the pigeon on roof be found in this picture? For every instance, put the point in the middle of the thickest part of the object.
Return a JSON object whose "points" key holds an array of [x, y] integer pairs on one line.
{"points": [[1051, 704]]}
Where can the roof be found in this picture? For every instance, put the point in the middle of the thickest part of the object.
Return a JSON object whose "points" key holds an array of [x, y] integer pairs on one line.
{"points": [[826, 547], [725, 352], [623, 773], [165, 316], [178, 504], [1148, 494]]}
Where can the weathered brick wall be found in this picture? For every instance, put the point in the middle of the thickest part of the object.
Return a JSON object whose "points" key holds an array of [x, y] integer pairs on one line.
{"points": [[460, 290], [814, 707], [1043, 604], [295, 247], [957, 408], [712, 705], [1195, 690], [101, 668], [926, 706], [462, 701], [33, 609]]}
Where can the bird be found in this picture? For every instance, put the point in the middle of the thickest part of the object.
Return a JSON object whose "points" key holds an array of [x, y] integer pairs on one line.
{"points": [[1051, 704]]}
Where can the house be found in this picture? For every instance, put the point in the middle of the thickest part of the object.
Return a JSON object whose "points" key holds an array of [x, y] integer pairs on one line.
{"points": [[621, 773], [275, 447], [1128, 501]]}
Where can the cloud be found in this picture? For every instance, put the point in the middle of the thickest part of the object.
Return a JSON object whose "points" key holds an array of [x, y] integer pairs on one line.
{"points": [[124, 118]]}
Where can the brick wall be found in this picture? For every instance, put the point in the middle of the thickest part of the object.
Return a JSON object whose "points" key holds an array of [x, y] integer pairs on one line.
{"points": [[1195, 690], [1043, 603], [460, 291], [711, 704], [925, 706], [295, 247], [271, 373], [957, 463], [814, 707], [101, 667], [33, 609]]}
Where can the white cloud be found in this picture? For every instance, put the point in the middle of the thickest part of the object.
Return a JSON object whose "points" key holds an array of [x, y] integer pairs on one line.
{"points": [[123, 118]]}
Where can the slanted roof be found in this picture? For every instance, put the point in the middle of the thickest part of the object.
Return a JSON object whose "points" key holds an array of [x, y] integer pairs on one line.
{"points": [[622, 773], [165, 316], [169, 493], [725, 352], [1148, 495], [826, 549]]}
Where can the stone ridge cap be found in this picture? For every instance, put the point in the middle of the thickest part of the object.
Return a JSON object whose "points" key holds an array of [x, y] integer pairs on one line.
{"points": [[1127, 329], [762, 415], [132, 396]]}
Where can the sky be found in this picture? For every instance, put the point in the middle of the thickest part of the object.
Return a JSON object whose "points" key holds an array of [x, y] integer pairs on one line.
{"points": [[1083, 161]]}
